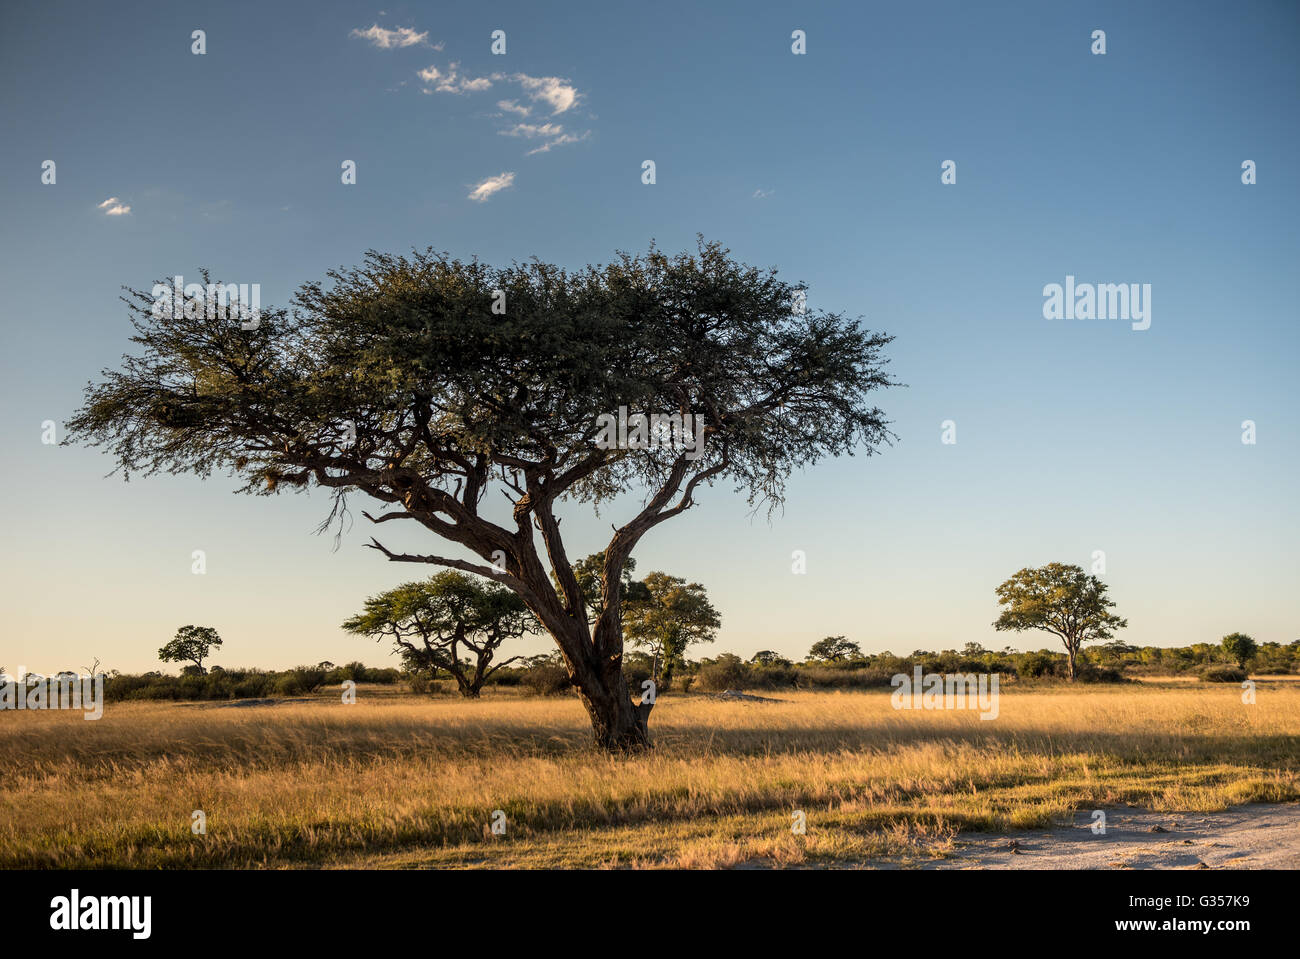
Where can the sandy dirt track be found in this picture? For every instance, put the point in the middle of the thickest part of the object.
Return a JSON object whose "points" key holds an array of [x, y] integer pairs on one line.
{"points": [[1262, 836]]}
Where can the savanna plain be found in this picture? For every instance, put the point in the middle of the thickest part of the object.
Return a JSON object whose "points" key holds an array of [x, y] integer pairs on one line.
{"points": [[399, 780]]}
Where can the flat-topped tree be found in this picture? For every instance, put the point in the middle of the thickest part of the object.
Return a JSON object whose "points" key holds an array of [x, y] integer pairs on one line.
{"points": [[398, 380], [436, 622], [1062, 600], [191, 644]]}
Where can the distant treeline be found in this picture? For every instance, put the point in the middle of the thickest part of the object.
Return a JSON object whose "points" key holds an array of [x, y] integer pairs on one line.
{"points": [[1110, 663], [219, 683], [849, 669]]}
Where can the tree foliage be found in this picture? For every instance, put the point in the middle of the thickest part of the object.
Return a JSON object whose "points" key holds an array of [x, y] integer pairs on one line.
{"points": [[589, 572]]}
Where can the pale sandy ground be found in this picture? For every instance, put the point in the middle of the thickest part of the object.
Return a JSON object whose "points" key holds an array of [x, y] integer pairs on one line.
{"points": [[1260, 836]]}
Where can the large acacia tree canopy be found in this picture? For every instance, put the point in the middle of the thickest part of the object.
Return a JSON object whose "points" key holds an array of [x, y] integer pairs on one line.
{"points": [[397, 379], [408, 350]]}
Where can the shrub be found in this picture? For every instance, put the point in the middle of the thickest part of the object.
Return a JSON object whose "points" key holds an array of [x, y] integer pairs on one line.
{"points": [[1034, 665], [506, 677], [1088, 673], [1223, 674], [728, 671], [359, 673], [253, 684], [300, 680], [817, 677], [354, 671], [636, 675], [547, 680], [774, 676]]}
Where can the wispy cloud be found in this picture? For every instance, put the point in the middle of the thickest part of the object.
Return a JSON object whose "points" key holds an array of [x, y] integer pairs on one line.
{"points": [[562, 140], [490, 186], [763, 194], [533, 130], [551, 90], [394, 39], [554, 92], [114, 207], [453, 82], [553, 133]]}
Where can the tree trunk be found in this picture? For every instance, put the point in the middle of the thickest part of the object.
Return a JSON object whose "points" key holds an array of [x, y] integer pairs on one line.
{"points": [[1070, 653], [593, 659], [467, 689], [618, 724]]}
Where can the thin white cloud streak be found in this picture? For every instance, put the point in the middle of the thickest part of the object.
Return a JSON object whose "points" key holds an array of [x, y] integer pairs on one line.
{"points": [[559, 141], [493, 184], [393, 39]]}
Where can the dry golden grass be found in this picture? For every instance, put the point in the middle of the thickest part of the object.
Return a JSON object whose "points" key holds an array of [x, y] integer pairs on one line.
{"points": [[400, 781]]}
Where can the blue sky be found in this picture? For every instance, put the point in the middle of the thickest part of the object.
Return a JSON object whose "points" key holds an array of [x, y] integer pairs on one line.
{"points": [[1072, 436]]}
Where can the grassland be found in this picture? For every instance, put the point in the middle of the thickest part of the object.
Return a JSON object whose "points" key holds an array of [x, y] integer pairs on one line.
{"points": [[403, 781]]}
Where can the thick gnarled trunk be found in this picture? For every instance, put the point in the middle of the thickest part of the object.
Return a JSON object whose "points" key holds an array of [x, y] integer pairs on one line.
{"points": [[596, 671], [618, 724]]}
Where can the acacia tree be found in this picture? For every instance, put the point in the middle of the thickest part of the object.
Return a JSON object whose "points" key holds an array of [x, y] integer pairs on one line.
{"points": [[1061, 600], [670, 616], [404, 381], [1240, 648], [447, 614], [834, 649], [191, 644]]}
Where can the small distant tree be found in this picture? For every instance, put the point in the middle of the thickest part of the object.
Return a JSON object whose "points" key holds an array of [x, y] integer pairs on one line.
{"points": [[1061, 600], [435, 621], [589, 574], [671, 616], [1240, 648], [834, 649], [1116, 651], [766, 657], [192, 644]]}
